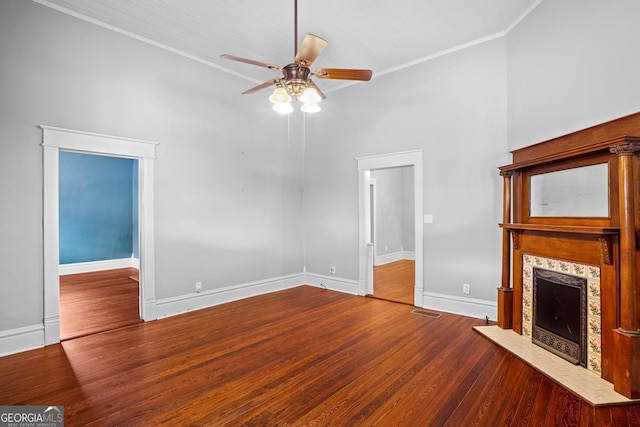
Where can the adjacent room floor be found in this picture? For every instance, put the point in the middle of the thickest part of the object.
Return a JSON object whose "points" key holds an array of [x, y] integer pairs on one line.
{"points": [[98, 301], [395, 281]]}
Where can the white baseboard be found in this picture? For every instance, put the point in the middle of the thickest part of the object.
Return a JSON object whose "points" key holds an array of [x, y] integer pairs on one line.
{"points": [[88, 267], [52, 330], [173, 306], [21, 339], [176, 305], [393, 257], [331, 282], [388, 258], [410, 255], [471, 307]]}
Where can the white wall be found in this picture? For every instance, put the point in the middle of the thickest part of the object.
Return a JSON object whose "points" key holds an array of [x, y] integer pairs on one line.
{"points": [[230, 205], [228, 177], [394, 211], [572, 64], [455, 109]]}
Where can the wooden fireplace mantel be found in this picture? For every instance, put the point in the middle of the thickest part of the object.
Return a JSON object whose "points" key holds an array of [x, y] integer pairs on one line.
{"points": [[608, 242], [603, 234], [571, 229]]}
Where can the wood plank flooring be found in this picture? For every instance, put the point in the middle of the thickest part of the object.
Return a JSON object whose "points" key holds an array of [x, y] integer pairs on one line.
{"points": [[395, 281], [299, 357], [98, 301]]}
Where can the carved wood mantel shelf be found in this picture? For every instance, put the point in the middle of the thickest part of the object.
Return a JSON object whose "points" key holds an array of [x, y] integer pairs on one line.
{"points": [[603, 235], [606, 240], [577, 229]]}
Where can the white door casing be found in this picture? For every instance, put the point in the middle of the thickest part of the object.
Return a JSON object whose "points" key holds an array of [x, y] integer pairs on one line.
{"points": [[365, 247], [56, 139]]}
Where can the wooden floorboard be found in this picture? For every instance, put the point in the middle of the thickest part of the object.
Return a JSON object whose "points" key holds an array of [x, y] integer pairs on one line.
{"points": [[98, 301], [300, 357], [395, 281]]}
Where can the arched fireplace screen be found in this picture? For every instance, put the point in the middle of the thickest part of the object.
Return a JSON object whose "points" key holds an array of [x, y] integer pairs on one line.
{"points": [[560, 314]]}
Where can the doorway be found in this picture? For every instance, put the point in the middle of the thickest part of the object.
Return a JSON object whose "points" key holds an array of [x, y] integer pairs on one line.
{"points": [[98, 243], [366, 233], [392, 233], [56, 139]]}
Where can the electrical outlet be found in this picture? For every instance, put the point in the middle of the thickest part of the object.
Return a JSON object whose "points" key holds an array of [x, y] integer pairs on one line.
{"points": [[466, 288], [198, 287], [332, 269]]}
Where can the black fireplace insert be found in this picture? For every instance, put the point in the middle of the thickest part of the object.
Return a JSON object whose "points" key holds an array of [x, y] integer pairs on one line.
{"points": [[560, 314]]}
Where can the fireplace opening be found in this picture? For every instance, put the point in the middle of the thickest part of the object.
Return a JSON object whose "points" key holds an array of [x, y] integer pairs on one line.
{"points": [[559, 314]]}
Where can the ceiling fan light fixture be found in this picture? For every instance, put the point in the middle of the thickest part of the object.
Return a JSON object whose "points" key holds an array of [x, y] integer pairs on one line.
{"points": [[310, 95], [296, 83], [310, 107], [295, 87], [282, 107], [280, 95]]}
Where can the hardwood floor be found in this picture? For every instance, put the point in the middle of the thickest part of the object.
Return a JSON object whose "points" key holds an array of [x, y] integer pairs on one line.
{"points": [[98, 301], [395, 281], [304, 356]]}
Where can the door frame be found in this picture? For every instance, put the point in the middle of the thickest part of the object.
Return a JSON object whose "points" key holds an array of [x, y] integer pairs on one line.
{"points": [[365, 245], [56, 139]]}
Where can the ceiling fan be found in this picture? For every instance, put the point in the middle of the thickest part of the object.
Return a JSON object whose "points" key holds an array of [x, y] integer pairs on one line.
{"points": [[296, 80]]}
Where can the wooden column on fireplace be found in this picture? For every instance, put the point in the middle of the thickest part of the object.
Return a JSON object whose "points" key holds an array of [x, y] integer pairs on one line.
{"points": [[606, 240]]}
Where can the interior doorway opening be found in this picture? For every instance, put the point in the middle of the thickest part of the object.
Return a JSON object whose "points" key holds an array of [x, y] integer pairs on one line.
{"points": [[368, 232], [392, 233], [56, 139], [98, 243]]}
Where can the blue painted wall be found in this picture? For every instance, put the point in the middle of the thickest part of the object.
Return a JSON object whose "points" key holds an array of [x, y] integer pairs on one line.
{"points": [[98, 207]]}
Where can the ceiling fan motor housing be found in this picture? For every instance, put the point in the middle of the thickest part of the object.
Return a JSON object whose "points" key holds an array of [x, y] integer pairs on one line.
{"points": [[295, 77]]}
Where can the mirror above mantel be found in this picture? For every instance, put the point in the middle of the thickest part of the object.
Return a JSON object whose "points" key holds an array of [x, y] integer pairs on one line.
{"points": [[581, 192]]}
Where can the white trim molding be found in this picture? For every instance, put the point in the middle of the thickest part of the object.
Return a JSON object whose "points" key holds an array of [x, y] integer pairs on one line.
{"points": [[471, 307], [21, 339], [88, 267], [365, 165], [173, 306], [55, 139], [395, 256], [333, 283], [89, 142], [167, 307]]}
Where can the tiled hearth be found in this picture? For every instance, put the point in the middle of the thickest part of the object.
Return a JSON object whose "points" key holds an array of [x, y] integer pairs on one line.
{"points": [[583, 382], [592, 274]]}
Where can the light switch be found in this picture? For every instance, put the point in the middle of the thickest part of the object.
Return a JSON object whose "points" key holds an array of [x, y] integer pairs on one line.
{"points": [[428, 218]]}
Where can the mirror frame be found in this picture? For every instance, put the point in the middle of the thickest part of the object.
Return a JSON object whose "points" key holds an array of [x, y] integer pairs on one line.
{"points": [[525, 191]]}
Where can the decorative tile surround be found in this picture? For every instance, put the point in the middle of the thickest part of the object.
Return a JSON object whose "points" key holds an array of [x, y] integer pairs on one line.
{"points": [[592, 273]]}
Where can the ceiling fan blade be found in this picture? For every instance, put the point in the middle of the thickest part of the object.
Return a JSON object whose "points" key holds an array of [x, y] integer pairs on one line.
{"points": [[250, 61], [260, 86], [343, 74], [310, 49]]}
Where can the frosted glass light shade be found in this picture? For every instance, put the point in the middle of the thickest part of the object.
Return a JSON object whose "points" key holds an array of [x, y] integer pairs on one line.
{"points": [[310, 96], [280, 95], [311, 107], [282, 107]]}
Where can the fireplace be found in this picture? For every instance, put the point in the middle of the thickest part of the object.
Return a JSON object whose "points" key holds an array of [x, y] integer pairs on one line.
{"points": [[559, 314], [543, 280], [572, 201]]}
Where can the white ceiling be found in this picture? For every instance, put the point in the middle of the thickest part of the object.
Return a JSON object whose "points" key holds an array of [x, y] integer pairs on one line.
{"points": [[381, 35]]}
